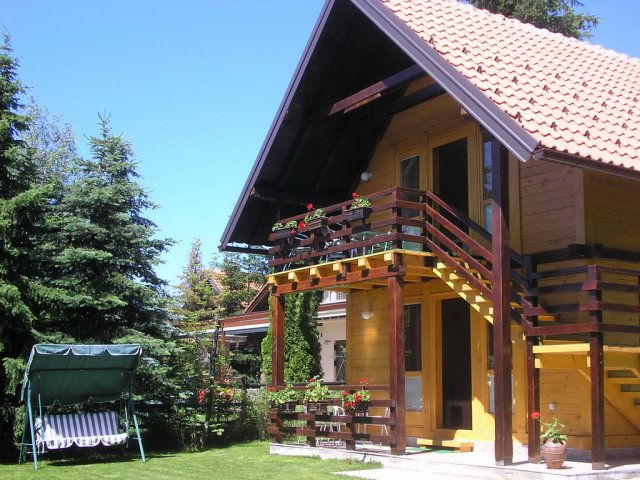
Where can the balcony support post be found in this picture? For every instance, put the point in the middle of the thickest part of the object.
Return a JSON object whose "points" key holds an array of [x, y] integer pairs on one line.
{"points": [[277, 330], [396, 360], [501, 256]]}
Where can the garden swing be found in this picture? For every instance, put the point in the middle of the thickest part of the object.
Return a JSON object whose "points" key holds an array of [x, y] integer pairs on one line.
{"points": [[78, 375]]}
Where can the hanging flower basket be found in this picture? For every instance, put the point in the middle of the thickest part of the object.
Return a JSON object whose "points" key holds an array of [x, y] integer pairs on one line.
{"points": [[358, 213], [282, 233]]}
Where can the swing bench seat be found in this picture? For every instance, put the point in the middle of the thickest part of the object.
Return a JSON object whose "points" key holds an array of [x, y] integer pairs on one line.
{"points": [[65, 375], [82, 429]]}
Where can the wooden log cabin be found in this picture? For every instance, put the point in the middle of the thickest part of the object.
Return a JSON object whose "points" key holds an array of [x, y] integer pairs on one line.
{"points": [[497, 274]]}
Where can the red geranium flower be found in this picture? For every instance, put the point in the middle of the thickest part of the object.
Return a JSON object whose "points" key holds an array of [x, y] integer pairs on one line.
{"points": [[345, 393], [363, 381], [535, 415], [271, 389], [355, 195], [301, 225], [310, 206], [311, 380]]}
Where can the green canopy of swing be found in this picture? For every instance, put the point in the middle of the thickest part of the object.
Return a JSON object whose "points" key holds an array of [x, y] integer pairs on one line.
{"points": [[73, 374]]}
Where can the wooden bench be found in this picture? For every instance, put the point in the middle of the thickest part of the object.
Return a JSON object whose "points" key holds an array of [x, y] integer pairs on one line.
{"points": [[82, 429], [461, 445]]}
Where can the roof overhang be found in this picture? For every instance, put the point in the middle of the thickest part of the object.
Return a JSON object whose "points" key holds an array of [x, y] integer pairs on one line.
{"points": [[303, 135]]}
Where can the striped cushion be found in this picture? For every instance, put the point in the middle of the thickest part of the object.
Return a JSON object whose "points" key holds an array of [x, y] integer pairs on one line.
{"points": [[83, 429]]}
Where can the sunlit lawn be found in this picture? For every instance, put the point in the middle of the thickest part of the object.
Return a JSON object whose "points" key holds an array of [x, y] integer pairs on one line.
{"points": [[246, 461]]}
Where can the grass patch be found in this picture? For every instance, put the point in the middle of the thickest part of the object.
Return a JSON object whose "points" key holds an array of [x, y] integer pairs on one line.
{"points": [[244, 461]]}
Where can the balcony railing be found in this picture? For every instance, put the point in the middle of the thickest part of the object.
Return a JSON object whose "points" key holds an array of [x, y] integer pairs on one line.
{"points": [[396, 220]]}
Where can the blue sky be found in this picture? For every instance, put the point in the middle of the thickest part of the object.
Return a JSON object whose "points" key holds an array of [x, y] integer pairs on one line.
{"points": [[193, 85]]}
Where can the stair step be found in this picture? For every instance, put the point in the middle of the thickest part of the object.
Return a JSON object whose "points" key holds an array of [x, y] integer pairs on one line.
{"points": [[461, 445]]}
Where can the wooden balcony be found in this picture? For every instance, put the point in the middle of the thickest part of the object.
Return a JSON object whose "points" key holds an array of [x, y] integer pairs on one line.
{"points": [[347, 251]]}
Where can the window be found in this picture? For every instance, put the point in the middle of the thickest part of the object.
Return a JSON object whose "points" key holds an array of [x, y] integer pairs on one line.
{"points": [[413, 357], [487, 182], [413, 338]]}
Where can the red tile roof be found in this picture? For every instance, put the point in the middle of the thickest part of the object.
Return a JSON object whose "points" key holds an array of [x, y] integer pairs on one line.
{"points": [[572, 96]]}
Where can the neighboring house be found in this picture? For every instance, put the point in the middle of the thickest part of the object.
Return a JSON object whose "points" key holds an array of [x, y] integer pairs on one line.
{"points": [[498, 274], [252, 325]]}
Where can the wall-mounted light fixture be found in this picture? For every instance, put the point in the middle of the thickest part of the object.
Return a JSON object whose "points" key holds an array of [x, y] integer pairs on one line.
{"points": [[366, 176], [552, 406], [366, 314]]}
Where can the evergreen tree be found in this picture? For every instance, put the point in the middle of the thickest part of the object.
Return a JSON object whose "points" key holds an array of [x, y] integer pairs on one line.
{"points": [[22, 205], [241, 276], [197, 300], [301, 339], [97, 275], [557, 16]]}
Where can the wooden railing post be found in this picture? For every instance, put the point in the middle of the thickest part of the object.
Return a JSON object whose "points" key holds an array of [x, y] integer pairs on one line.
{"points": [[533, 374], [596, 360]]}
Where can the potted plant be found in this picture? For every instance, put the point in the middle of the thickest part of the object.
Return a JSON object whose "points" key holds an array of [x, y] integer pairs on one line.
{"points": [[357, 402], [284, 230], [316, 219], [360, 208], [316, 395], [285, 398], [554, 448]]}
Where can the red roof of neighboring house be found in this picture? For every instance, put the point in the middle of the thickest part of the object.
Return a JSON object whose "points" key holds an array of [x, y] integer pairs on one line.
{"points": [[572, 96]]}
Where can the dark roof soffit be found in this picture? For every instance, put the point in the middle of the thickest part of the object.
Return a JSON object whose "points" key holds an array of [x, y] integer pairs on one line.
{"points": [[487, 113], [277, 122]]}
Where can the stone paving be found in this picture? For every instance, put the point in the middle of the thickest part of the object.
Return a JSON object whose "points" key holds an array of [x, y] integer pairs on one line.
{"points": [[438, 465]]}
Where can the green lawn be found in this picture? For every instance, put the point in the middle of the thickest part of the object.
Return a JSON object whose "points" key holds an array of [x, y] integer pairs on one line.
{"points": [[246, 461]]}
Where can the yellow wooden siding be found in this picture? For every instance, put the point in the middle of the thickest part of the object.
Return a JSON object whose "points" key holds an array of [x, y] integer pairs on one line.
{"points": [[550, 206], [613, 211]]}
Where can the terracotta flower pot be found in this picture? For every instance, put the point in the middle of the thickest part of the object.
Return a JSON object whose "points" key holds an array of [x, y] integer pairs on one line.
{"points": [[554, 454]]}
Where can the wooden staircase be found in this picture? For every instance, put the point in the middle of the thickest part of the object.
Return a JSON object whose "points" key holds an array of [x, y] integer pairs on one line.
{"points": [[622, 372], [622, 381], [478, 300]]}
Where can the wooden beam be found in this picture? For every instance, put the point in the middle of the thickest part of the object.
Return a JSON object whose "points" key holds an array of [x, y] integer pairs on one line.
{"points": [[382, 110], [596, 370], [533, 403], [501, 295], [342, 279], [374, 91], [291, 197], [396, 360], [562, 348], [277, 329]]}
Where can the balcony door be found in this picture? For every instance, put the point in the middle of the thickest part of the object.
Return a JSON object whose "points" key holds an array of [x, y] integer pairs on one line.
{"points": [[451, 174]]}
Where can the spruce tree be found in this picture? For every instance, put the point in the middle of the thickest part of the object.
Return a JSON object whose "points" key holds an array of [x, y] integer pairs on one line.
{"points": [[21, 210], [101, 252]]}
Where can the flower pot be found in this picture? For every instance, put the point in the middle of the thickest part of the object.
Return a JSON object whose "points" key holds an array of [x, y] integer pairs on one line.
{"points": [[320, 406], [362, 407], [319, 224], [359, 213], [554, 454], [282, 233]]}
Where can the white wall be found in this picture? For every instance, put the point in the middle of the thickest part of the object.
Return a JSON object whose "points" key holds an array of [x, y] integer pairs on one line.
{"points": [[330, 331]]}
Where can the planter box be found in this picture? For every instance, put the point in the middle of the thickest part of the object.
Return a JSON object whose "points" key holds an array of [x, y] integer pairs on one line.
{"points": [[282, 233], [319, 224], [360, 213]]}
